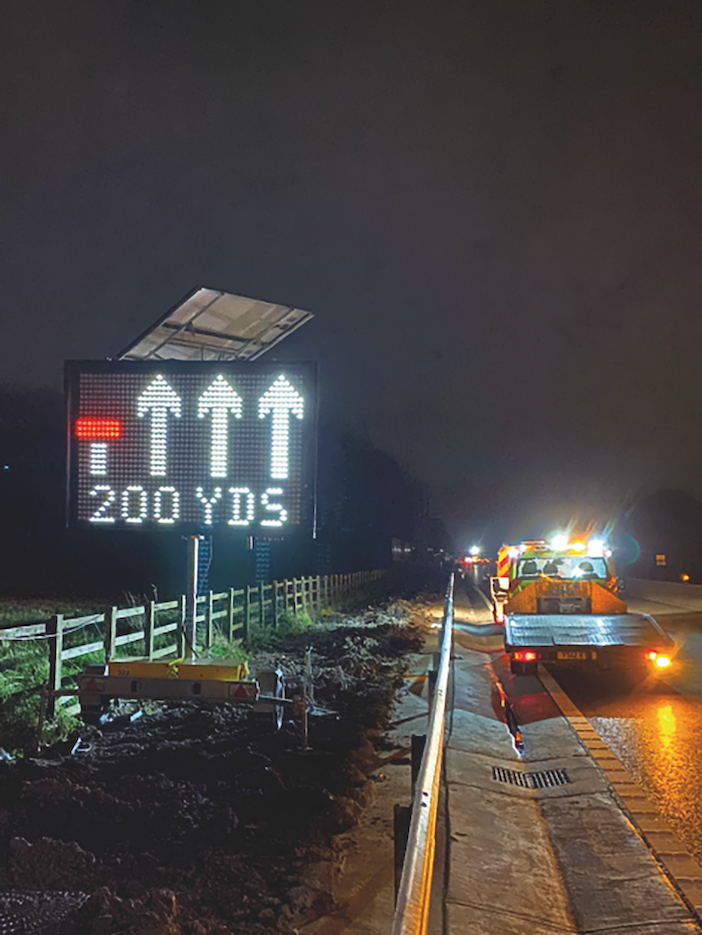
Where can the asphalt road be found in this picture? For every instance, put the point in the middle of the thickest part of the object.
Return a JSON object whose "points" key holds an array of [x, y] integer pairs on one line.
{"points": [[654, 726]]}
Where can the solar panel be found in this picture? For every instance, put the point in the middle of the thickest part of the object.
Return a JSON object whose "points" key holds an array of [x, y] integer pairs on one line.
{"points": [[209, 324]]}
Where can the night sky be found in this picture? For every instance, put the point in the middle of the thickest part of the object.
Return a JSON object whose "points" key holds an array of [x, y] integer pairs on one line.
{"points": [[492, 207]]}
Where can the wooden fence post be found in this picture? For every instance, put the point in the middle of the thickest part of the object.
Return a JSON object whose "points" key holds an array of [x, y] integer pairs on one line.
{"points": [[247, 610], [208, 620], [110, 633], [274, 598], [230, 613], [180, 632], [150, 611], [285, 596], [54, 630], [318, 594], [261, 604]]}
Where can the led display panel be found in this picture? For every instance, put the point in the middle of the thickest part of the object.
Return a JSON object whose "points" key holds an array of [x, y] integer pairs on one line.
{"points": [[175, 445]]}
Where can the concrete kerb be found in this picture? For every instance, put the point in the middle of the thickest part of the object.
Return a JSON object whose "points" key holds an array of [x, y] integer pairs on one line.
{"points": [[679, 867]]}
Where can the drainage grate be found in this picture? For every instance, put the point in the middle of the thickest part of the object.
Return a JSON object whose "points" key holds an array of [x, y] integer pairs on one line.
{"points": [[544, 779]]}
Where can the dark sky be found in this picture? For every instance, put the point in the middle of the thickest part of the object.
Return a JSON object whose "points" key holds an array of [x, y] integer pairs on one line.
{"points": [[493, 207]]}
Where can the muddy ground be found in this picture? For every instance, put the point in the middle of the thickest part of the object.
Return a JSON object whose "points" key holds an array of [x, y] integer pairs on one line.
{"points": [[194, 820]]}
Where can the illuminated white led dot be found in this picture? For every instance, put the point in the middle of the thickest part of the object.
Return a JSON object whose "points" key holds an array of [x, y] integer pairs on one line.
{"points": [[173, 505], [208, 502], [135, 512], [273, 507], [108, 497], [220, 399], [159, 399], [282, 400], [98, 458], [239, 494]]}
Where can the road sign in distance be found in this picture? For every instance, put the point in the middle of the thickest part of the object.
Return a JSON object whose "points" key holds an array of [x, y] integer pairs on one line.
{"points": [[172, 444]]}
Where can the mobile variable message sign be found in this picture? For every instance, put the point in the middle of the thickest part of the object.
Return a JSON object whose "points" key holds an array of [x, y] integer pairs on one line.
{"points": [[176, 445]]}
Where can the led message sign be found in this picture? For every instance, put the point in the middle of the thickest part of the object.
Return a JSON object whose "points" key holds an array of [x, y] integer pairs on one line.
{"points": [[171, 444]]}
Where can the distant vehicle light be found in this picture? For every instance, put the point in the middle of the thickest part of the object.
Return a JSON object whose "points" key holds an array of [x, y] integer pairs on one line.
{"points": [[513, 553], [595, 547], [652, 656], [684, 577], [475, 550], [662, 662], [578, 546], [559, 542], [526, 655], [94, 430]]}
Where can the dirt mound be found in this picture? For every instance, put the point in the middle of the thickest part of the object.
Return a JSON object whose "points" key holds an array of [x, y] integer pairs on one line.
{"points": [[190, 819]]}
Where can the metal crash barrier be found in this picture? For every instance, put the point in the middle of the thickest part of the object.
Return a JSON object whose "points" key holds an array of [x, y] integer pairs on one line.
{"points": [[412, 908]]}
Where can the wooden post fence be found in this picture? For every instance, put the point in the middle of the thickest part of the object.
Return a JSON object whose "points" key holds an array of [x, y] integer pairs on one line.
{"points": [[292, 594], [149, 623], [54, 630]]}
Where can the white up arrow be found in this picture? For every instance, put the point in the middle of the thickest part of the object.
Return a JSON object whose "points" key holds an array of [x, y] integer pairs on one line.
{"points": [[221, 399], [158, 397], [282, 399]]}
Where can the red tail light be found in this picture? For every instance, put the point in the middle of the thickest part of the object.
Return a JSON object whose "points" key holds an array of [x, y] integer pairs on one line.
{"points": [[526, 655]]}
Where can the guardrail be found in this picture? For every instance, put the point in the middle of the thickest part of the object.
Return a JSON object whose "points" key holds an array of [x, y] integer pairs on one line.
{"points": [[413, 899], [230, 612]]}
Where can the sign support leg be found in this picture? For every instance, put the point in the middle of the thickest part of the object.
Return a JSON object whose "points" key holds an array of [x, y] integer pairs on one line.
{"points": [[191, 595]]}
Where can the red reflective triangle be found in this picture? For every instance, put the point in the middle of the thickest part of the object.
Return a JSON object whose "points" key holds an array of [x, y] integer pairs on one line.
{"points": [[92, 686], [241, 692]]}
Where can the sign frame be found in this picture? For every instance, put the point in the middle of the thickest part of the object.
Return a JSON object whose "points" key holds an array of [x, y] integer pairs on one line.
{"points": [[306, 371]]}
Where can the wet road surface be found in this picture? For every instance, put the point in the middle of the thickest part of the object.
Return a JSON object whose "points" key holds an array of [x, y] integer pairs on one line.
{"points": [[653, 725]]}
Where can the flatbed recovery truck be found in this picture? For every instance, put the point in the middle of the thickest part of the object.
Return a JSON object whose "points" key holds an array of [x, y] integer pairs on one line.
{"points": [[561, 606]]}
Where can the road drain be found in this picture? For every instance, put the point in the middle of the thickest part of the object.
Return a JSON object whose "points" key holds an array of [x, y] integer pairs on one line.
{"points": [[541, 780]]}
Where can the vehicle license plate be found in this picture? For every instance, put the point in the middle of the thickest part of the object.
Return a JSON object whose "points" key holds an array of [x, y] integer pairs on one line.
{"points": [[572, 654]]}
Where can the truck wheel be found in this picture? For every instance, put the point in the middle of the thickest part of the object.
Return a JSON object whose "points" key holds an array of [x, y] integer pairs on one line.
{"points": [[522, 668]]}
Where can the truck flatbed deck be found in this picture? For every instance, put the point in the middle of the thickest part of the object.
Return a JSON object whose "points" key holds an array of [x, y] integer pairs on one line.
{"points": [[595, 639]]}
